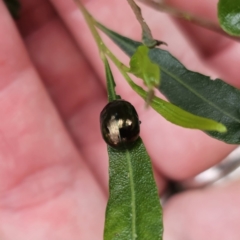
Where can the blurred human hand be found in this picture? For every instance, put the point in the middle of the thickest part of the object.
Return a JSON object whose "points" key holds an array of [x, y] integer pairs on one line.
{"points": [[54, 164]]}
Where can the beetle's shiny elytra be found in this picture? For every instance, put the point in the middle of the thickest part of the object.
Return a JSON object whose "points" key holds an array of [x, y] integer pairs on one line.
{"points": [[119, 123]]}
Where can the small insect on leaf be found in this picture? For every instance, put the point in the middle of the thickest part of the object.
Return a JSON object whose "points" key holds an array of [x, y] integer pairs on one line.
{"points": [[120, 125]]}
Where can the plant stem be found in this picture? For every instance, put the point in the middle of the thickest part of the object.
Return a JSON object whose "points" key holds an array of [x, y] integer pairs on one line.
{"points": [[205, 23], [104, 50], [90, 21], [101, 45], [146, 32]]}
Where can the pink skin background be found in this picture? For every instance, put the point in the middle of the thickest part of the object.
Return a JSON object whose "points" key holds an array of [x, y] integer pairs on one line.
{"points": [[53, 161]]}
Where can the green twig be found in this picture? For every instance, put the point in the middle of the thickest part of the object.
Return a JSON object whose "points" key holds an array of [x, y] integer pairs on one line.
{"points": [[103, 48], [101, 45], [90, 21]]}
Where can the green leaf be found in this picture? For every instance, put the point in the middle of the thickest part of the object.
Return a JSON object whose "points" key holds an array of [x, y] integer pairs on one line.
{"points": [[133, 209], [13, 7], [192, 91], [229, 16], [178, 116], [126, 44], [142, 67], [110, 82]]}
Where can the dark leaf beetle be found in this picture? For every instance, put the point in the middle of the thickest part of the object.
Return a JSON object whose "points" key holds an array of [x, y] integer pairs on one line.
{"points": [[120, 125]]}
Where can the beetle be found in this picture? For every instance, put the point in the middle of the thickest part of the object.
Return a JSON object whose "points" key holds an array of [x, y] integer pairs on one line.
{"points": [[120, 125]]}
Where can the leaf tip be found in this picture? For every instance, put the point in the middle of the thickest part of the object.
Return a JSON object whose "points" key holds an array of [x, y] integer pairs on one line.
{"points": [[221, 128]]}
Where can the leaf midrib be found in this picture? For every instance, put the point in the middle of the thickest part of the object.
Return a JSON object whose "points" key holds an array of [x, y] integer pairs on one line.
{"points": [[132, 189], [198, 95]]}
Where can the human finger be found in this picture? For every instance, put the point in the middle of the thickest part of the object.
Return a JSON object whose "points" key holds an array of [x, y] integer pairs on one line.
{"points": [[217, 51], [43, 177], [212, 213], [69, 79], [163, 140]]}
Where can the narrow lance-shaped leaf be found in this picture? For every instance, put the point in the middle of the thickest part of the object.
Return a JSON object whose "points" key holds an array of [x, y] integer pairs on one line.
{"points": [[133, 209], [110, 82], [192, 91], [178, 116], [229, 16], [128, 45]]}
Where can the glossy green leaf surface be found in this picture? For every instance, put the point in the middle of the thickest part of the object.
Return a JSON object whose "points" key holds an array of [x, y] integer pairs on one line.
{"points": [[133, 209], [142, 67], [192, 91], [229, 16]]}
